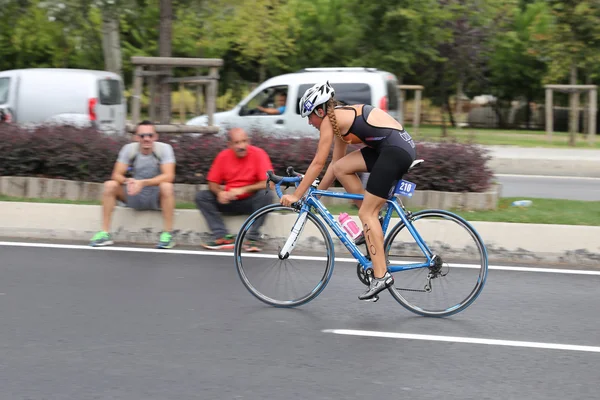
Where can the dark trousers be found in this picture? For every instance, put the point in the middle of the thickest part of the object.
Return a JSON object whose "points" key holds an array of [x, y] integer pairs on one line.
{"points": [[212, 210]]}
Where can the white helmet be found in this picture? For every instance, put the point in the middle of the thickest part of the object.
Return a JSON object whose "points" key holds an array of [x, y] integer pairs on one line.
{"points": [[315, 96]]}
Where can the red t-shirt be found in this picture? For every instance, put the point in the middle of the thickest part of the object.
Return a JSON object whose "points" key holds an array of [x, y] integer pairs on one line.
{"points": [[234, 172]]}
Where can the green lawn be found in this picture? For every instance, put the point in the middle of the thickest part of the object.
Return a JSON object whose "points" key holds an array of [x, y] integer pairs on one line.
{"points": [[520, 138], [542, 211]]}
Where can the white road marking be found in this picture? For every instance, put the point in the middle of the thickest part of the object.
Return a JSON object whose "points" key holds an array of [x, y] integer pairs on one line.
{"points": [[260, 255], [457, 339]]}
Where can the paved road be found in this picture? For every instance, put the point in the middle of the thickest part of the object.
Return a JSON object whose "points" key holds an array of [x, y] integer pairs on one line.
{"points": [[100, 324], [550, 187], [543, 153]]}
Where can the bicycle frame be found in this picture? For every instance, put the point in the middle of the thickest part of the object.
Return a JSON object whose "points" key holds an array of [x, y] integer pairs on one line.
{"points": [[311, 200]]}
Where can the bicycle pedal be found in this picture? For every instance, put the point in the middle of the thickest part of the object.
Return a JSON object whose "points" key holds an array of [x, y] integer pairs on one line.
{"points": [[372, 299]]}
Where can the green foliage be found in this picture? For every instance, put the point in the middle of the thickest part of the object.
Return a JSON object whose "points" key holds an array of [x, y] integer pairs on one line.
{"points": [[395, 35], [328, 34], [506, 47], [260, 32], [514, 63], [573, 39]]}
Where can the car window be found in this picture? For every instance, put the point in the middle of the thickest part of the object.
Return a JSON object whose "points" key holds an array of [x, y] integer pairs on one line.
{"points": [[4, 87], [109, 92], [392, 92], [349, 93], [265, 98]]}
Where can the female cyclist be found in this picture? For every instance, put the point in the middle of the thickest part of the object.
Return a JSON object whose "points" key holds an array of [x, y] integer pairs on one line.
{"points": [[388, 154]]}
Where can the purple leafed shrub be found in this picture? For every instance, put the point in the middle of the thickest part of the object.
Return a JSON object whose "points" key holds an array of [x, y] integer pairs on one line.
{"points": [[62, 152], [451, 167], [65, 152]]}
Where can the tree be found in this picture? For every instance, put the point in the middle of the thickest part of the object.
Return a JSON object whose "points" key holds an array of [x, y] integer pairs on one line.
{"points": [[260, 32], [397, 35], [516, 69], [327, 35], [164, 50], [573, 44], [36, 39], [111, 37]]}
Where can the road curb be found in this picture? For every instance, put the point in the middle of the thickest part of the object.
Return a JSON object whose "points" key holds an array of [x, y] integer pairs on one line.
{"points": [[505, 242]]}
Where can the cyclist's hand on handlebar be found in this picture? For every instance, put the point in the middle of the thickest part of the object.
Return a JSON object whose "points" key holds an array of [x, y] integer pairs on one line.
{"points": [[289, 199]]}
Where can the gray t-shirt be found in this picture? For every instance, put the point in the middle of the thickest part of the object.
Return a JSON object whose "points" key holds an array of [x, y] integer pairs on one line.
{"points": [[147, 166]]}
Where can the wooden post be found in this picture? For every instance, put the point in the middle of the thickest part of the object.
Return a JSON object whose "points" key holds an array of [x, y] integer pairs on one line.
{"points": [[572, 119], [161, 74], [576, 104], [593, 99], [181, 102], [549, 116], [138, 81], [403, 104], [211, 101], [417, 117], [199, 90], [151, 101]]}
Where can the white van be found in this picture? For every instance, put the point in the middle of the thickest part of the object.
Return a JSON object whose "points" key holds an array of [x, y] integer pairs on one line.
{"points": [[352, 85], [61, 95]]}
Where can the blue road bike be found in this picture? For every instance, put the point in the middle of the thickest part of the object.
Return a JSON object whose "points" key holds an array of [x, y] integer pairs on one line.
{"points": [[434, 276]]}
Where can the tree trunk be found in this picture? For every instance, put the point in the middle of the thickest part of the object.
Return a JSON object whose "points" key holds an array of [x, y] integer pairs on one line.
{"points": [[529, 99], [459, 95], [449, 108], [262, 72], [164, 50], [444, 129], [111, 43], [573, 112]]}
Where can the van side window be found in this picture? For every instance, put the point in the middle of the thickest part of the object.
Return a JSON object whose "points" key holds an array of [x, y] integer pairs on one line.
{"points": [[109, 92], [271, 98], [4, 88], [392, 92], [349, 93]]}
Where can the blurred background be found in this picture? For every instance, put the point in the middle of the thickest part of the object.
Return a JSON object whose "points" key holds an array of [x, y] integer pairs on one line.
{"points": [[483, 63]]}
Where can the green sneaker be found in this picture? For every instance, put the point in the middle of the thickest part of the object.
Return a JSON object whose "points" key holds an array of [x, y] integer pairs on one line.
{"points": [[101, 238], [166, 241]]}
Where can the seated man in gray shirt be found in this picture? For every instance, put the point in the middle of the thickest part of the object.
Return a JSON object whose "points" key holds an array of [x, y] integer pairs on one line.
{"points": [[151, 166]]}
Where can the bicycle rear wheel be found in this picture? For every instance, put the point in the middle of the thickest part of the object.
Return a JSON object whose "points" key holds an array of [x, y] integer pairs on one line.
{"points": [[461, 264], [285, 281]]}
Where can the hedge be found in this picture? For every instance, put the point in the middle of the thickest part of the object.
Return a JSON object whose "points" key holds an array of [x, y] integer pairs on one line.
{"points": [[65, 152]]}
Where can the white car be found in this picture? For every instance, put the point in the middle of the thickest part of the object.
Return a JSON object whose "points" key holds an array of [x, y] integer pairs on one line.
{"points": [[61, 95], [352, 85]]}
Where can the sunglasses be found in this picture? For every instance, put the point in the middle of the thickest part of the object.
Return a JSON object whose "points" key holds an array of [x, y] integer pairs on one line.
{"points": [[143, 135]]}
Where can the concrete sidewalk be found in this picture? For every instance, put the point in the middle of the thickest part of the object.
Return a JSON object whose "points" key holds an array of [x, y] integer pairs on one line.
{"points": [[505, 242], [544, 161]]}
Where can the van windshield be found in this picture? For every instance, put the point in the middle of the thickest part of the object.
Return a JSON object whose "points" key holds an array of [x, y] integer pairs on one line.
{"points": [[349, 93], [109, 92], [4, 87]]}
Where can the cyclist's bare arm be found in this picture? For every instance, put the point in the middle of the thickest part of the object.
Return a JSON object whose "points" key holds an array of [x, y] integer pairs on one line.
{"points": [[339, 151], [317, 164]]}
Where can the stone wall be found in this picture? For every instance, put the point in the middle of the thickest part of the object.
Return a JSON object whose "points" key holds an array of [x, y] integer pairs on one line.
{"points": [[43, 188]]}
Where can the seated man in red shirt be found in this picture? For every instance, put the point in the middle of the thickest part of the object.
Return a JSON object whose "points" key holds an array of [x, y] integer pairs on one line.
{"points": [[236, 180]]}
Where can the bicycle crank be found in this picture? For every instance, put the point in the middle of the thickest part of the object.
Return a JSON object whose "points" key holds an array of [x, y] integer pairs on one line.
{"points": [[362, 275], [365, 277]]}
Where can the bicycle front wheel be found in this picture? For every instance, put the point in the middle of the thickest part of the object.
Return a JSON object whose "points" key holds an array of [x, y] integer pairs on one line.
{"points": [[461, 267], [291, 279]]}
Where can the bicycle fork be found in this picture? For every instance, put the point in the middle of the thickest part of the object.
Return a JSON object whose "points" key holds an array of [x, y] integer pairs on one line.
{"points": [[297, 229]]}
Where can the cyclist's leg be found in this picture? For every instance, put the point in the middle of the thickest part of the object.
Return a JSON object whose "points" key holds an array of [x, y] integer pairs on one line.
{"points": [[369, 217], [392, 163], [345, 170]]}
